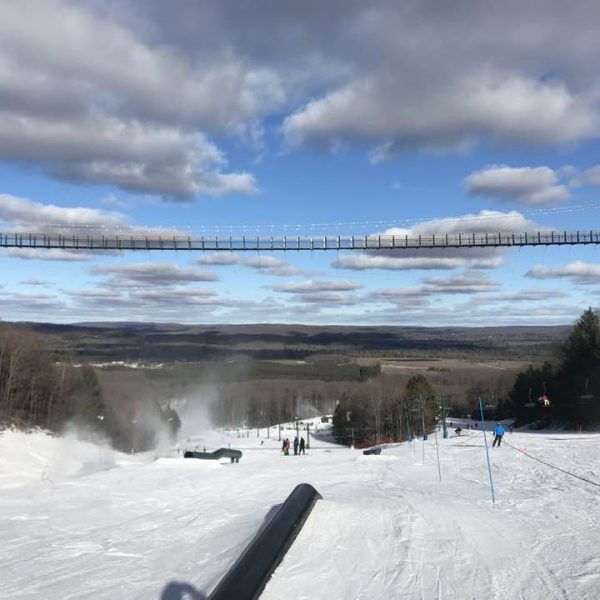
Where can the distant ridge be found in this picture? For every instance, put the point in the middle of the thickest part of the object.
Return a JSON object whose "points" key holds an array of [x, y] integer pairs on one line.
{"points": [[164, 342]]}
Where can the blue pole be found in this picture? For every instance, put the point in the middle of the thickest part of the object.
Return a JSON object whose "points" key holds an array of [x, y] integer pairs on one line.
{"points": [[487, 452]]}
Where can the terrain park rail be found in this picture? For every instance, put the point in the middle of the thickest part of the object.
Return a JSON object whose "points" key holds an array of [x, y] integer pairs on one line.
{"points": [[234, 455], [117, 241], [248, 576]]}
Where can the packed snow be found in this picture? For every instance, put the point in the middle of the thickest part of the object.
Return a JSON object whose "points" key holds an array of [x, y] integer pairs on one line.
{"points": [[81, 521]]}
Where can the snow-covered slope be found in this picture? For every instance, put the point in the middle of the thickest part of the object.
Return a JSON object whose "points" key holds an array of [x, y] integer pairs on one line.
{"points": [[386, 527]]}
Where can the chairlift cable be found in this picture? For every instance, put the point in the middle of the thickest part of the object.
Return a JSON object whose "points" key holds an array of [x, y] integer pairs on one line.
{"points": [[552, 466]]}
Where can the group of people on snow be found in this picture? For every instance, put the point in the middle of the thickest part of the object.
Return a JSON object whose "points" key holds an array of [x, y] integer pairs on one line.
{"points": [[299, 446]]}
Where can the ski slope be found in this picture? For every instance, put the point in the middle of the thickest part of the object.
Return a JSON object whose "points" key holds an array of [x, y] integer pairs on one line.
{"points": [[81, 521]]}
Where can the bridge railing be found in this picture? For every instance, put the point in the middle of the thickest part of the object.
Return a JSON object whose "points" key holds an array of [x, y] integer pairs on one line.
{"points": [[117, 241]]}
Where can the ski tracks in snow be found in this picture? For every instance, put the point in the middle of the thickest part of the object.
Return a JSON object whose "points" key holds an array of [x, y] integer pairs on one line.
{"points": [[386, 527]]}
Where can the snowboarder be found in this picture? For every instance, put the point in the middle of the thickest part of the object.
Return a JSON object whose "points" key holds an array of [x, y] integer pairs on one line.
{"points": [[498, 433], [296, 443], [458, 430], [302, 445]]}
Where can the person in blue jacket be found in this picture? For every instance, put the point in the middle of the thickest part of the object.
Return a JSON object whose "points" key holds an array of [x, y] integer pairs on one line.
{"points": [[498, 433]]}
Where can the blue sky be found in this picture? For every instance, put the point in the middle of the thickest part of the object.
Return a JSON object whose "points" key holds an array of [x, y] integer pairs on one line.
{"points": [[214, 118]]}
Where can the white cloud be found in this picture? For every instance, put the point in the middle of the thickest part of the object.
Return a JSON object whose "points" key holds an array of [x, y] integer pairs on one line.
{"points": [[327, 298], [267, 265], [316, 286], [530, 296], [443, 258], [476, 312], [35, 282], [592, 176], [117, 93], [23, 215], [362, 262], [463, 283], [579, 272], [484, 221], [87, 99], [135, 156], [53, 254], [529, 185], [220, 259], [35, 216], [323, 293], [151, 274], [451, 117], [29, 306]]}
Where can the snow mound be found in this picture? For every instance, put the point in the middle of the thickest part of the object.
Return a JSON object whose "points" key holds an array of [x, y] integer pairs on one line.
{"points": [[375, 457], [186, 463], [39, 456]]}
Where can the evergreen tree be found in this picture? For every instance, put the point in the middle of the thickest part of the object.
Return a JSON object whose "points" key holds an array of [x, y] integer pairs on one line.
{"points": [[579, 373], [529, 386], [572, 386]]}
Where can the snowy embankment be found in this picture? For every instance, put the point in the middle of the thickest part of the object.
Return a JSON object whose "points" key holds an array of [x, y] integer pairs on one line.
{"points": [[386, 527]]}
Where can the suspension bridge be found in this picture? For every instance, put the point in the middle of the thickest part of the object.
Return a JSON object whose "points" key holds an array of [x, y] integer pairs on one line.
{"points": [[152, 242]]}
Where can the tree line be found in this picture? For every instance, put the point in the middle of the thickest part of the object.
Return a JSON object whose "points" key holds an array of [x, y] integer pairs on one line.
{"points": [[38, 391], [566, 390], [386, 413]]}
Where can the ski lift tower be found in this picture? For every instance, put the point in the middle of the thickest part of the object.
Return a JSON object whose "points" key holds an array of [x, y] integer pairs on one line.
{"points": [[420, 410], [586, 396], [443, 415]]}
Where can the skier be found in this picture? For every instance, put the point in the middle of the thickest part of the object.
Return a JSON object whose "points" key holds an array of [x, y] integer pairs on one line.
{"points": [[302, 445], [296, 442], [498, 433], [286, 446]]}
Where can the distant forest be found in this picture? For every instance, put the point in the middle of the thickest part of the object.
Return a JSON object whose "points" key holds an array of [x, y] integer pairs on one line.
{"points": [[168, 343], [38, 391], [54, 375]]}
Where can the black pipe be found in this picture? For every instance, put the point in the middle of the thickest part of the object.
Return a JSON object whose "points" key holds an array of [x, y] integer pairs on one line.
{"points": [[248, 576], [234, 455], [374, 450]]}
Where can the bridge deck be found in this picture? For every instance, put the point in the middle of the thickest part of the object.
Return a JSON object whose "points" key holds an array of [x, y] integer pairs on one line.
{"points": [[118, 241]]}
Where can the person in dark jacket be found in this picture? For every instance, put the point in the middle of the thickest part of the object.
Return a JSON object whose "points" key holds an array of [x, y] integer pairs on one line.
{"points": [[498, 433], [302, 445], [296, 446]]}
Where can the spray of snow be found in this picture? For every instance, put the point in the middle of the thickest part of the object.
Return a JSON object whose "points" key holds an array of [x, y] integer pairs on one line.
{"points": [[27, 457]]}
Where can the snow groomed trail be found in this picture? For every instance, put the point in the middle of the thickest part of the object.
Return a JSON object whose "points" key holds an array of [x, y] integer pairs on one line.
{"points": [[134, 527]]}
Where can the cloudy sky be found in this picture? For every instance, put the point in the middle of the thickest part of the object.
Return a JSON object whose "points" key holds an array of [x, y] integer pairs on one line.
{"points": [[300, 118]]}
